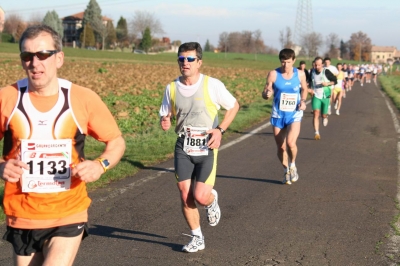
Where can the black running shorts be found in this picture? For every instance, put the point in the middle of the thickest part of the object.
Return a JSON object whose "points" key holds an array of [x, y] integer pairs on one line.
{"points": [[201, 168], [28, 241]]}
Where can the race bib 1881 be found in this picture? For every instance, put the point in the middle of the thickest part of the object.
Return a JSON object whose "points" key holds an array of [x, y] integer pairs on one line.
{"points": [[196, 140], [49, 162]]}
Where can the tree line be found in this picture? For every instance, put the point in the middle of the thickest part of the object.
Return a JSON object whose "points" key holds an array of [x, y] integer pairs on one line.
{"points": [[140, 31], [357, 48]]}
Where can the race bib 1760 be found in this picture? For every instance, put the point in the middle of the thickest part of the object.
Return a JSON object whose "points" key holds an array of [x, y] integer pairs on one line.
{"points": [[196, 140], [49, 162], [288, 102]]}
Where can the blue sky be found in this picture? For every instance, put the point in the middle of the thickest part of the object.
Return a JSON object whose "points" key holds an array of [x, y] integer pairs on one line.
{"points": [[201, 20]]}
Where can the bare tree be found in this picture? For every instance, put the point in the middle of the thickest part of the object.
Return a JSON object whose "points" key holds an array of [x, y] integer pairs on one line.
{"points": [[35, 19], [258, 43], [360, 46], [285, 38], [311, 43], [101, 28], [223, 43], [12, 24], [332, 42], [142, 20]]}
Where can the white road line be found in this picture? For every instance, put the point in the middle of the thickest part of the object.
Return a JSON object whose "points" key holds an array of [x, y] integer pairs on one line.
{"points": [[394, 240], [139, 182]]}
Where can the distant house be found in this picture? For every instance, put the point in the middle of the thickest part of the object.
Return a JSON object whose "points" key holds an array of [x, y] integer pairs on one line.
{"points": [[72, 28], [381, 54]]}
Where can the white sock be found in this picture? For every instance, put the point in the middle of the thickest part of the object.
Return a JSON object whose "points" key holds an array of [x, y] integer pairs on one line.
{"points": [[317, 132], [293, 164], [197, 232]]}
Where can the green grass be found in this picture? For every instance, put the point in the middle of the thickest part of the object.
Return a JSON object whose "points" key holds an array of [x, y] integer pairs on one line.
{"points": [[391, 86]]}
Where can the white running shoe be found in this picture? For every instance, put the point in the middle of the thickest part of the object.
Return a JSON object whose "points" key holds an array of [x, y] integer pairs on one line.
{"points": [[286, 179], [196, 244], [213, 211], [294, 176], [337, 112], [325, 121], [362, 84], [344, 96], [329, 110], [336, 104]]}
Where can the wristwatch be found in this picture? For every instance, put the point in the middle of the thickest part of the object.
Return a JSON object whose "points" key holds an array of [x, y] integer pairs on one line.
{"points": [[220, 129], [104, 163]]}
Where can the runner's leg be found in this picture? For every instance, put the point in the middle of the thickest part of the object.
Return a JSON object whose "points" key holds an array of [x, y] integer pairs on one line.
{"points": [[292, 135], [61, 250], [280, 139]]}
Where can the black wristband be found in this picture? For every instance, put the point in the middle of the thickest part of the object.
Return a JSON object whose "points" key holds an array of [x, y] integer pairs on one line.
{"points": [[220, 129]]}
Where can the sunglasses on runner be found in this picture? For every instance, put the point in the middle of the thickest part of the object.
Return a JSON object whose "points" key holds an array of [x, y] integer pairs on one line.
{"points": [[189, 59], [42, 55]]}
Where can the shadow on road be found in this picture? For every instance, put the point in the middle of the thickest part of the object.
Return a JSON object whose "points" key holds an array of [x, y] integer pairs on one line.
{"points": [[251, 179], [113, 232]]}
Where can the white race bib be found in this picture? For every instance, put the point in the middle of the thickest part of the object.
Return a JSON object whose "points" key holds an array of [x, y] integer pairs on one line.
{"points": [[49, 162], [288, 102], [195, 143]]}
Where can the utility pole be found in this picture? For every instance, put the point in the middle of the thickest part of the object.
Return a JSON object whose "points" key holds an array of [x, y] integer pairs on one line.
{"points": [[304, 21]]}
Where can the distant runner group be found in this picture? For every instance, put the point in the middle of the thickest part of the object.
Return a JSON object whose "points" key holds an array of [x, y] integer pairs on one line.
{"points": [[327, 85]]}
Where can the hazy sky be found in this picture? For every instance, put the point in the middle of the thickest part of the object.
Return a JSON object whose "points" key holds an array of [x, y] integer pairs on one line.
{"points": [[201, 20]]}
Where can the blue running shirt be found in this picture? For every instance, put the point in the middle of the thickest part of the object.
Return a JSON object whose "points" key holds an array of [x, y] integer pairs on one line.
{"points": [[286, 96]]}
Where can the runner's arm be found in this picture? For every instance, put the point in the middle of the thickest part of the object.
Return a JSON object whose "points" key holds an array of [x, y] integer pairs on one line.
{"points": [[304, 90], [165, 110], [268, 89], [90, 171], [331, 77]]}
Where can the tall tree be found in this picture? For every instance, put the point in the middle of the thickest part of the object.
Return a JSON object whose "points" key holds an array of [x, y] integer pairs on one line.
{"points": [[52, 20], [311, 43], [111, 39], [286, 38], [332, 42], [207, 46], [344, 50], [122, 31], [360, 46], [143, 20], [87, 37], [145, 44], [92, 16]]}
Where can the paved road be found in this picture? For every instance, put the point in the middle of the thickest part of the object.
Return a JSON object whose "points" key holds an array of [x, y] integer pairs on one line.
{"points": [[338, 213]]}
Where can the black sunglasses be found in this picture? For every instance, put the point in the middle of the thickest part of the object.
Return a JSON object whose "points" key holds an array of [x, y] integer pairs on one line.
{"points": [[42, 55], [189, 58]]}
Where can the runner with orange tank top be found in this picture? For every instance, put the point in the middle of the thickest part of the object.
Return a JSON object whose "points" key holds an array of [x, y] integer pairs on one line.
{"points": [[44, 122]]}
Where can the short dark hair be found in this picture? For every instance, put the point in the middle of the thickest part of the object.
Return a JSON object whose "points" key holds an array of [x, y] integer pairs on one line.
{"points": [[339, 64], [191, 46], [302, 63], [327, 59], [33, 31], [286, 54], [318, 58]]}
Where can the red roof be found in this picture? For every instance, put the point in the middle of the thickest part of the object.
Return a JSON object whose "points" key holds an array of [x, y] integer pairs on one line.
{"points": [[79, 16]]}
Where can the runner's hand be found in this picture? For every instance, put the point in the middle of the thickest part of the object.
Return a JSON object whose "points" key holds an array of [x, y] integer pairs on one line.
{"points": [[88, 171], [11, 170], [166, 122], [215, 141], [302, 106], [267, 94]]}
